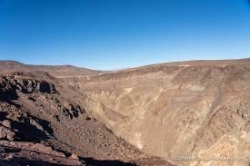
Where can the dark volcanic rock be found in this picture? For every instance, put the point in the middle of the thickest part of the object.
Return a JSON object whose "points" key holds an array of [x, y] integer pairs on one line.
{"points": [[9, 85]]}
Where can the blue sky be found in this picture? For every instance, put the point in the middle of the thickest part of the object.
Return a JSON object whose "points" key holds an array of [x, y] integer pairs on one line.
{"points": [[113, 34]]}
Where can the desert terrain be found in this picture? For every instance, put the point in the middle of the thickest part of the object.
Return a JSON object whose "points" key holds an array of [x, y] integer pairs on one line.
{"points": [[193, 113]]}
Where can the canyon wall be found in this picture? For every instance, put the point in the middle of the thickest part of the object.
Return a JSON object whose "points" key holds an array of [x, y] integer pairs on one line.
{"points": [[189, 113]]}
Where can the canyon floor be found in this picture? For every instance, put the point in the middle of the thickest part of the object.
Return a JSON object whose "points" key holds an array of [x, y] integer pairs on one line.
{"points": [[187, 113]]}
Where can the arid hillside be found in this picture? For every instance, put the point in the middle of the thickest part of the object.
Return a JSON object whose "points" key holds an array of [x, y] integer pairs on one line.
{"points": [[58, 71], [191, 113], [188, 113]]}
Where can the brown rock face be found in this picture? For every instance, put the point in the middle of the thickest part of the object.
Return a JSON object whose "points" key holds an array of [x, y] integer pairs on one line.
{"points": [[193, 113]]}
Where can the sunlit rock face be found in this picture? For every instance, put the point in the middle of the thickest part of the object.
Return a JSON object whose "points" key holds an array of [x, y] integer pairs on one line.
{"points": [[193, 113]]}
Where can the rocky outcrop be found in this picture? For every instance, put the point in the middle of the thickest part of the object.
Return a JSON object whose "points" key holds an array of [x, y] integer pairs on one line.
{"points": [[72, 110], [21, 126], [9, 85], [6, 133], [25, 153]]}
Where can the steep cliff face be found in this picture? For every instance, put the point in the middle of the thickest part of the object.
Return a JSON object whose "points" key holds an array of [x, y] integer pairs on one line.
{"points": [[193, 113]]}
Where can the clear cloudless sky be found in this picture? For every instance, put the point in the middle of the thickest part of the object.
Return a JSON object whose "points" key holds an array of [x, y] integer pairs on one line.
{"points": [[113, 34]]}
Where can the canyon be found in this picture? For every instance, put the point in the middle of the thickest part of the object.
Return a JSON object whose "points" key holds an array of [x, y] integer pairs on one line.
{"points": [[190, 113]]}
